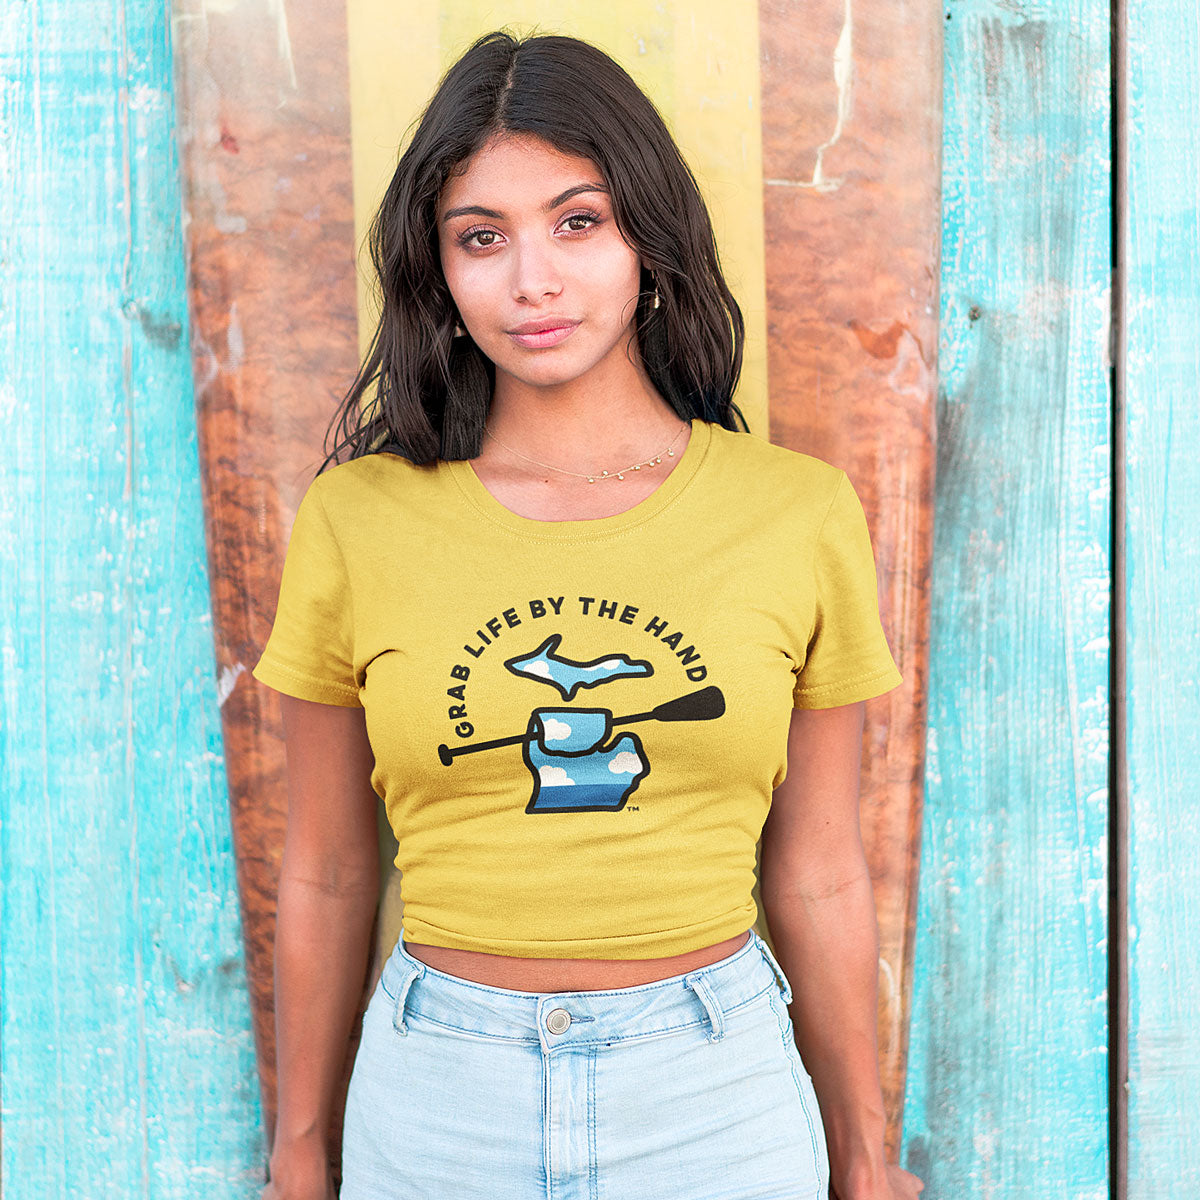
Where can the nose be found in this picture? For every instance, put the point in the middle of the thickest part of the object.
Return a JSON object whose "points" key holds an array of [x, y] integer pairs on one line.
{"points": [[534, 274]]}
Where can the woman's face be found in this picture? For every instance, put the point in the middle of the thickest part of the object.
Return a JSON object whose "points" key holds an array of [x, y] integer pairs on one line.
{"points": [[528, 253]]}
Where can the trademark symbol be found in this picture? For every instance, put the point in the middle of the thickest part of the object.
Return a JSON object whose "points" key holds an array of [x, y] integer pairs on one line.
{"points": [[633, 808]]}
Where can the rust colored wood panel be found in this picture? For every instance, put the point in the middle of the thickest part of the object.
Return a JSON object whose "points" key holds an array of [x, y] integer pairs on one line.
{"points": [[852, 176], [265, 131]]}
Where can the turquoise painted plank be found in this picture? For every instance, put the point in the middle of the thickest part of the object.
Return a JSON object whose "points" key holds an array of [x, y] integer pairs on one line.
{"points": [[1006, 1095], [125, 1041], [1162, 592]]}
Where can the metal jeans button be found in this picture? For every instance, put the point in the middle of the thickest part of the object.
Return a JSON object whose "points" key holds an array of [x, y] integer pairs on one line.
{"points": [[557, 1020]]}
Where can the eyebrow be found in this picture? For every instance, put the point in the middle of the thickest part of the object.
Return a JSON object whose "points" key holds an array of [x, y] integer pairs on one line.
{"points": [[549, 206]]}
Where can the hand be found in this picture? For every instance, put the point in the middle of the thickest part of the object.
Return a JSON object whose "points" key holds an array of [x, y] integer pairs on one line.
{"points": [[894, 1184]]}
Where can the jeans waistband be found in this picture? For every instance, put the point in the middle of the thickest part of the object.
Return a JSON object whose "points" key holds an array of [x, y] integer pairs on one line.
{"points": [[700, 997]]}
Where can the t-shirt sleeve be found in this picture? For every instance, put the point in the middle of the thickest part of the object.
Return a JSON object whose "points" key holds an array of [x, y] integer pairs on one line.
{"points": [[848, 657], [310, 651]]}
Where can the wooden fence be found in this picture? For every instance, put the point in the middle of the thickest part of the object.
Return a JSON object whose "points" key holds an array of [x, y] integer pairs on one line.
{"points": [[1052, 1045]]}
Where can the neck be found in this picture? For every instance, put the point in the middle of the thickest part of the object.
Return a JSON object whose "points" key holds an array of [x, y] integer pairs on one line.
{"points": [[589, 425]]}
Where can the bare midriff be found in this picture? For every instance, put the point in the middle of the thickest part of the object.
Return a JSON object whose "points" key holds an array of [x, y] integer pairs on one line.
{"points": [[567, 974]]}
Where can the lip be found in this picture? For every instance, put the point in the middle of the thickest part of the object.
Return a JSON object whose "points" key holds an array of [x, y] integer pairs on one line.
{"points": [[537, 334]]}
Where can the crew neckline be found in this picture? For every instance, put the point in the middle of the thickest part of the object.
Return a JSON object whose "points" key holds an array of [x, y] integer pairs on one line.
{"points": [[585, 528]]}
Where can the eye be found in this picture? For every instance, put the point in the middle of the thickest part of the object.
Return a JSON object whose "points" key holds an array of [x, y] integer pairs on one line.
{"points": [[466, 238], [591, 217]]}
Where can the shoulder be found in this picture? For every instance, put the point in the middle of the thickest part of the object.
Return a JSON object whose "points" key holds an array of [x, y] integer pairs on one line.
{"points": [[350, 486], [768, 470]]}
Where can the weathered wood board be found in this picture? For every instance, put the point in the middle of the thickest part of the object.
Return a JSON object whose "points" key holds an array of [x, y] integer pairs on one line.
{"points": [[264, 131], [1007, 1088], [1160, 421], [852, 163], [125, 1042]]}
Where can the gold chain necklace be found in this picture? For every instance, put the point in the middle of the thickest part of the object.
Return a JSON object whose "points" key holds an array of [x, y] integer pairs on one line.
{"points": [[650, 462]]}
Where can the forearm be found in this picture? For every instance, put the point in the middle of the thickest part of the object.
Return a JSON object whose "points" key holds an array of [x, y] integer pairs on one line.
{"points": [[322, 943], [828, 945]]}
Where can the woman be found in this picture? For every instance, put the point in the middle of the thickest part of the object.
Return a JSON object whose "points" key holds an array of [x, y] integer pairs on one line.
{"points": [[580, 633]]}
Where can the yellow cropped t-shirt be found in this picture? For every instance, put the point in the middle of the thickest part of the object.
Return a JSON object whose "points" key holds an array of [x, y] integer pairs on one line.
{"points": [[577, 725]]}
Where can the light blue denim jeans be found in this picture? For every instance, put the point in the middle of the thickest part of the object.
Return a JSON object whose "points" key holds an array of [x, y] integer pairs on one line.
{"points": [[687, 1088]]}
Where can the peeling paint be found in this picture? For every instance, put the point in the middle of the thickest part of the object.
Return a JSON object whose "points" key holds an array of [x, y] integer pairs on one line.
{"points": [[227, 681]]}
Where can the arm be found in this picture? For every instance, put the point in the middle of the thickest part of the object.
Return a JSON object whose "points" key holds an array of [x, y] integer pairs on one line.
{"points": [[820, 910], [328, 894]]}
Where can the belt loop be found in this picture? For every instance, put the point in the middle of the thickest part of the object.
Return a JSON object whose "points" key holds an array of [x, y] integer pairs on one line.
{"points": [[785, 987], [712, 1006], [411, 971]]}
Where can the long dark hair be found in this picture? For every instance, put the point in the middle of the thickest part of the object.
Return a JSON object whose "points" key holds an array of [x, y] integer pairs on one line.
{"points": [[432, 390]]}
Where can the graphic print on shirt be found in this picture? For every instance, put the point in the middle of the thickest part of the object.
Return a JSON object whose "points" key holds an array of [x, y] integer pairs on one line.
{"points": [[572, 764], [547, 666]]}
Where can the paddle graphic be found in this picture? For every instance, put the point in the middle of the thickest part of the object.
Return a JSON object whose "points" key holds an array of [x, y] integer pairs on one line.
{"points": [[705, 705]]}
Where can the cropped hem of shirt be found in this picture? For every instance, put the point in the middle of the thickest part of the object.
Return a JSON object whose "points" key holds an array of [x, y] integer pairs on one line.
{"points": [[661, 943], [304, 687], [864, 687]]}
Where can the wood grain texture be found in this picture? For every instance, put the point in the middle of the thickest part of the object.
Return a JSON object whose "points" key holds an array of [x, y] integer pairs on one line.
{"points": [[1162, 566], [851, 161], [128, 1060], [1007, 1087], [264, 126]]}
